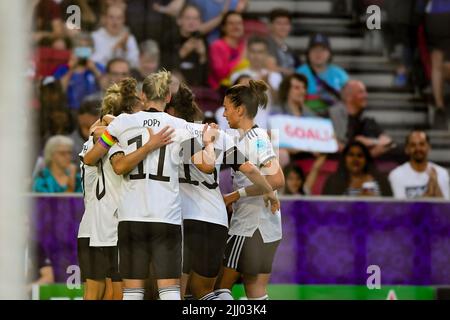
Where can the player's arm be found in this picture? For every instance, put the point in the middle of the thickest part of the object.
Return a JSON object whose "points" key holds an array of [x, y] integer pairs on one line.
{"points": [[273, 179], [260, 184], [99, 150], [205, 159], [104, 141], [123, 164]]}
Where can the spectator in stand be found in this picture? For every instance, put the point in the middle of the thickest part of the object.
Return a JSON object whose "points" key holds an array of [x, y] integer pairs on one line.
{"points": [[116, 70], [186, 49], [227, 54], [149, 58], [214, 11], [87, 115], [325, 80], [419, 177], [291, 101], [48, 21], [437, 25], [211, 11], [59, 174], [296, 183], [61, 43], [350, 123], [81, 76], [114, 40], [89, 19], [146, 22], [54, 116], [356, 175], [280, 27], [257, 56], [291, 97], [401, 32]]}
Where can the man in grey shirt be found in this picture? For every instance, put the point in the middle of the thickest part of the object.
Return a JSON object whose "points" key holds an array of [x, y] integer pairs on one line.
{"points": [[350, 123]]}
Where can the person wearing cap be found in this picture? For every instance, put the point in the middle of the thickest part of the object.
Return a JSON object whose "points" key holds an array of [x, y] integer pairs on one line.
{"points": [[325, 80]]}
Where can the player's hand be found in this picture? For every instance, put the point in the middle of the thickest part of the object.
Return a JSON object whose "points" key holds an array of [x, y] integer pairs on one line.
{"points": [[71, 182], [214, 126], [160, 139], [270, 199], [122, 42], [107, 119], [98, 131], [209, 134], [73, 62], [432, 173]]}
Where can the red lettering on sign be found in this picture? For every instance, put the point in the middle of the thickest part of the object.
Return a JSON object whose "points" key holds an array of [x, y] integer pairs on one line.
{"points": [[301, 133]]}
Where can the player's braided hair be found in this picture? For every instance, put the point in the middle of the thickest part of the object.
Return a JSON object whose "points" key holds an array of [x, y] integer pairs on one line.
{"points": [[156, 86], [251, 97]]}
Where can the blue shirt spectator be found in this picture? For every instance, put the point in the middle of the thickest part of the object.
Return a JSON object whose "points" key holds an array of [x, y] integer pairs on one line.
{"points": [[438, 6], [325, 80], [334, 75], [81, 84]]}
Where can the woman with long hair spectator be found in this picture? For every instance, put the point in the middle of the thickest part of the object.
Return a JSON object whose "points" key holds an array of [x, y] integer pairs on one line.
{"points": [[291, 97], [356, 175], [297, 183], [47, 20], [227, 54], [54, 116], [186, 49], [295, 180]]}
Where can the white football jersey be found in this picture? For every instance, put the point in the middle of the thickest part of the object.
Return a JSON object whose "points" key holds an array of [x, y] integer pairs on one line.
{"points": [[88, 179], [150, 193], [107, 199], [201, 198], [250, 213]]}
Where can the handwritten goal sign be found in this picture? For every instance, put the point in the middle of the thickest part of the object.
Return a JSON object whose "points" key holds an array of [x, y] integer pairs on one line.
{"points": [[307, 134]]}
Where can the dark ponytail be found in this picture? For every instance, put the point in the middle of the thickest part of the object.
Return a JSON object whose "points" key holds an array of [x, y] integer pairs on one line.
{"points": [[184, 106], [252, 97]]}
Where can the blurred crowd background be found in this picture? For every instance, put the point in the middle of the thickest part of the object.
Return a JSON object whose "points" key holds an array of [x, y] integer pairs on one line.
{"points": [[385, 91]]}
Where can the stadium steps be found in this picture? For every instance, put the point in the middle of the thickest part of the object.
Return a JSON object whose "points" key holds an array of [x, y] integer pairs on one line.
{"points": [[397, 109]]}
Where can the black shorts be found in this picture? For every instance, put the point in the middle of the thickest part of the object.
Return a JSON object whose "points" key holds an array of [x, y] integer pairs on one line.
{"points": [[250, 255], [203, 247], [143, 242], [98, 263], [437, 28]]}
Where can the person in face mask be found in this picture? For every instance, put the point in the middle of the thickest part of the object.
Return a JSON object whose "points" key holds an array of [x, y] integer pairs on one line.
{"points": [[81, 76]]}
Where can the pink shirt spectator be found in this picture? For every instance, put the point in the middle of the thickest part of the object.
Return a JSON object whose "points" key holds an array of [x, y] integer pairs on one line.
{"points": [[224, 60]]}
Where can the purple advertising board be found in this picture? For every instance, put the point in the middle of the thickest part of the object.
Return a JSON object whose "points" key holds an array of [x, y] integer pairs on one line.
{"points": [[325, 241]]}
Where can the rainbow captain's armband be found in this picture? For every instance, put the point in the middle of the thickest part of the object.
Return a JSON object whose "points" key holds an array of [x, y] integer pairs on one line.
{"points": [[106, 140]]}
